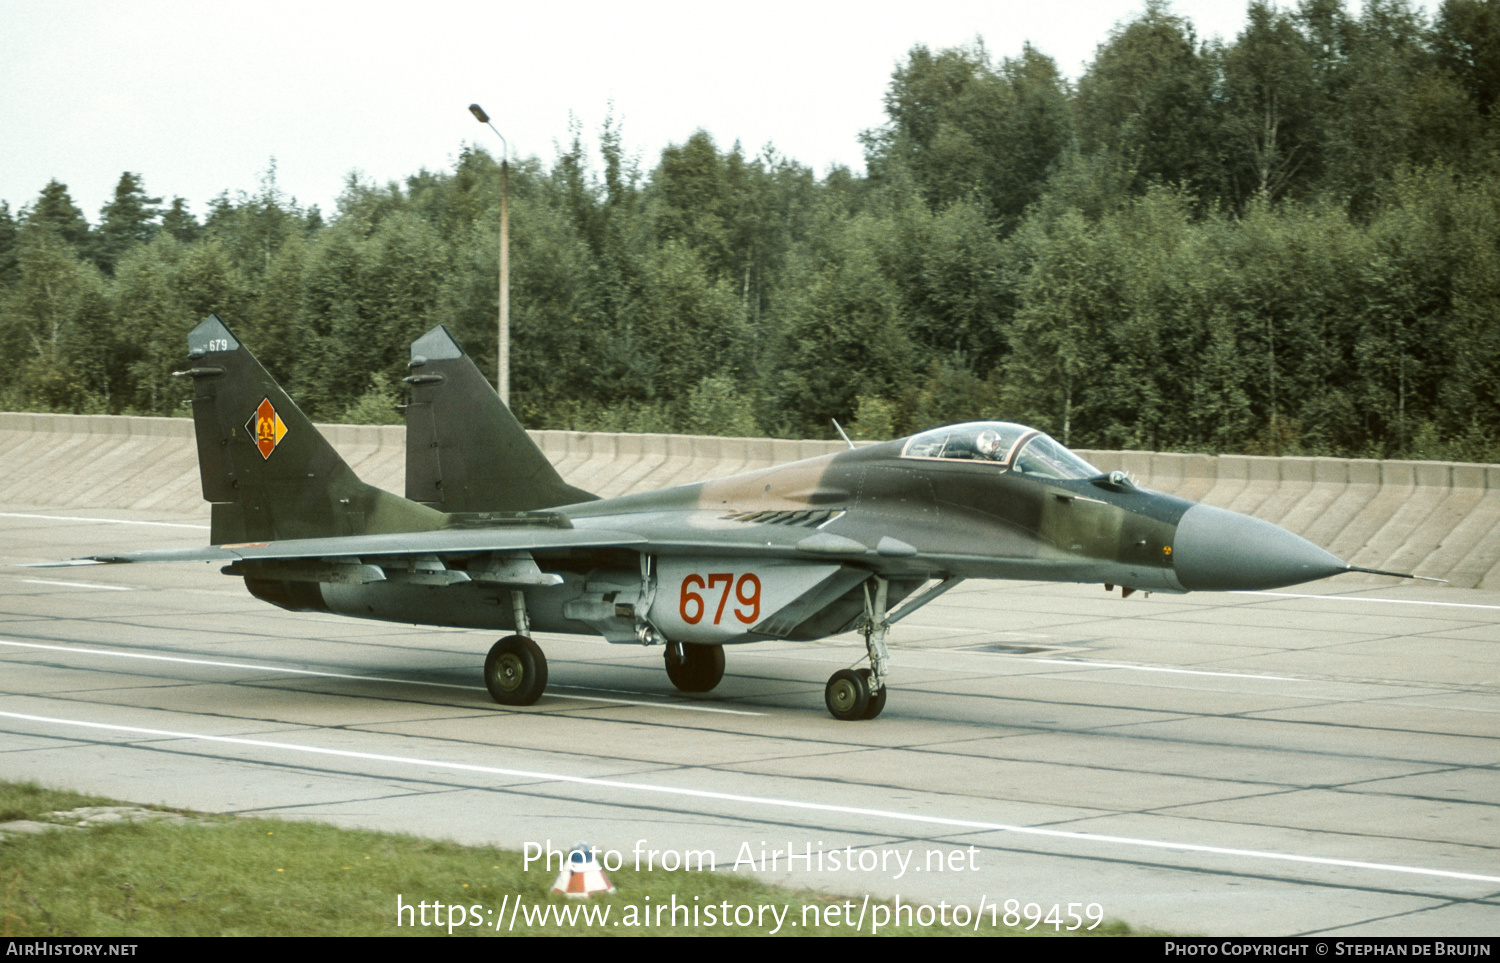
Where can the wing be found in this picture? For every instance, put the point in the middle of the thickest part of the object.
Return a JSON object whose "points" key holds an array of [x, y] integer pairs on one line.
{"points": [[439, 543], [445, 557]]}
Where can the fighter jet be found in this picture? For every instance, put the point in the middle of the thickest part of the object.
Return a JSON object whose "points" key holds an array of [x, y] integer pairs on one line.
{"points": [[491, 537]]}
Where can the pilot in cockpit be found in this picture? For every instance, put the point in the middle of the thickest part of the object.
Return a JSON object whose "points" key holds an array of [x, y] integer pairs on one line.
{"points": [[987, 443]]}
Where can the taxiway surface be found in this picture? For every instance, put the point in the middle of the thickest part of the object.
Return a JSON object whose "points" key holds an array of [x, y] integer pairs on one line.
{"points": [[1319, 760]]}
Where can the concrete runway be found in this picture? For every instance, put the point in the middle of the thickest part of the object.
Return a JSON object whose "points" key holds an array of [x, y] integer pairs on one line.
{"points": [[1320, 760]]}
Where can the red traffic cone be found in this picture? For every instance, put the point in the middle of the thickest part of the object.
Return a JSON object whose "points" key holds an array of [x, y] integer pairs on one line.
{"points": [[582, 877]]}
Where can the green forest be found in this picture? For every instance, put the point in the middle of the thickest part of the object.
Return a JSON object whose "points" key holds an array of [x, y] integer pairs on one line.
{"points": [[1287, 242]]}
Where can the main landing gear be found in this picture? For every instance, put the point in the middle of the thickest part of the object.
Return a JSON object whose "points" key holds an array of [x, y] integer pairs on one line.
{"points": [[694, 668], [515, 671], [860, 693]]}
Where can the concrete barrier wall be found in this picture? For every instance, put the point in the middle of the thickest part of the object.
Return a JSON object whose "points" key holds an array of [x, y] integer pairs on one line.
{"points": [[1440, 519]]}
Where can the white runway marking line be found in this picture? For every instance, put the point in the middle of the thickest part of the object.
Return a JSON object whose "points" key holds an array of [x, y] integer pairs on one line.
{"points": [[768, 801], [83, 585], [366, 678], [1356, 598], [644, 702], [1161, 668], [104, 521], [1082, 664]]}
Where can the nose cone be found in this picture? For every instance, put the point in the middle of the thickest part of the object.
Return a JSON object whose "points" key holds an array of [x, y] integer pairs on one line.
{"points": [[1218, 550]]}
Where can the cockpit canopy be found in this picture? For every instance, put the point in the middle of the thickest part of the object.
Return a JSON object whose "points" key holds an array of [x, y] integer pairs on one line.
{"points": [[1010, 446]]}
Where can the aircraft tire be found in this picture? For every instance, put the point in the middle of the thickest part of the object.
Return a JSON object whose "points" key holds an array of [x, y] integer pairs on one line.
{"points": [[877, 699], [515, 671], [700, 668], [847, 695]]}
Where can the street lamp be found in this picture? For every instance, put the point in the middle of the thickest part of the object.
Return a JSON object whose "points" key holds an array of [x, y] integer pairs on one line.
{"points": [[502, 360]]}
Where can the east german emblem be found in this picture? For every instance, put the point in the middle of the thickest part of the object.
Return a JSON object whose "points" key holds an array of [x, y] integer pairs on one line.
{"points": [[266, 427]]}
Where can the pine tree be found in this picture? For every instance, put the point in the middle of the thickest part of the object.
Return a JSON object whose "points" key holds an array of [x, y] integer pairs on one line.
{"points": [[126, 220], [179, 223], [54, 211], [10, 266]]}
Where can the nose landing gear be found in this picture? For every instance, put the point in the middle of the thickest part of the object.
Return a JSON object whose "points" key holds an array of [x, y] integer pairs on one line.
{"points": [[860, 693]]}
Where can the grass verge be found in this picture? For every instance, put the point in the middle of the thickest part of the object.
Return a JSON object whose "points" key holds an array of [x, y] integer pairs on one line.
{"points": [[198, 875]]}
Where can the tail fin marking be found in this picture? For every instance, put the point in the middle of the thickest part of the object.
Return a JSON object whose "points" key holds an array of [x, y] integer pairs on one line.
{"points": [[268, 472]]}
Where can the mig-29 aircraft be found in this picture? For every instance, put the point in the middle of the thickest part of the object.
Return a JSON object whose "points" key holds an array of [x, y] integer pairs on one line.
{"points": [[489, 536]]}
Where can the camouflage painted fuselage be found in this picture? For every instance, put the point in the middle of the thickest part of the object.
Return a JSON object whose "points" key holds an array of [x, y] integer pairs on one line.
{"points": [[824, 525]]}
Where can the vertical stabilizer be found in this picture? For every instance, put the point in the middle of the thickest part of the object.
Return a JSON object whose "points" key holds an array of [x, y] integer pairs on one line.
{"points": [[465, 451], [268, 472]]}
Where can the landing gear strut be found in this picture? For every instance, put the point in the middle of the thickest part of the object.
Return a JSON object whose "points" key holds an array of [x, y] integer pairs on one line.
{"points": [[860, 693], [515, 671], [694, 668]]}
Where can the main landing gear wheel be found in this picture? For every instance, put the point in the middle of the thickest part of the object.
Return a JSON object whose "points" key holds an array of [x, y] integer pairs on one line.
{"points": [[695, 668], [515, 671]]}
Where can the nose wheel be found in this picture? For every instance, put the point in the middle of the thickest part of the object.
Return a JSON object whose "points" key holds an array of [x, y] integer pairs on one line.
{"points": [[849, 695], [515, 671], [877, 699]]}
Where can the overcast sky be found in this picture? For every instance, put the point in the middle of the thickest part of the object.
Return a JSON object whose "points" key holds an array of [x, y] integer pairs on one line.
{"points": [[198, 97]]}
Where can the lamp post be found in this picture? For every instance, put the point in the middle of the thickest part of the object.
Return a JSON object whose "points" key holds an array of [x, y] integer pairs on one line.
{"points": [[502, 360]]}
